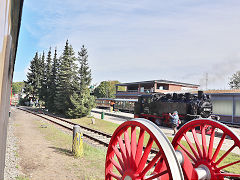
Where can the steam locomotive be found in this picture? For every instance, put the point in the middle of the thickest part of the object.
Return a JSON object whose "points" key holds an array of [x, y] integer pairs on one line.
{"points": [[156, 107]]}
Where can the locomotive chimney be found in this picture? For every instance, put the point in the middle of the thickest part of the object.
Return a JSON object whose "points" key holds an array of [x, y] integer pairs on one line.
{"points": [[175, 96], [187, 95], [200, 94]]}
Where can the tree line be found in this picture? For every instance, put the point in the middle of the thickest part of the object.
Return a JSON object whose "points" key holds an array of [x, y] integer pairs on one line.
{"points": [[61, 84]]}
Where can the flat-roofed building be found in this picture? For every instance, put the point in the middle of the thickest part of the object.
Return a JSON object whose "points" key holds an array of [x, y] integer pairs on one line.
{"points": [[226, 104], [134, 89]]}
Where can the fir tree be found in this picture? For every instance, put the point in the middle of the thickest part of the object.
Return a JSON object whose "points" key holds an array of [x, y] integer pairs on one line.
{"points": [[42, 78], [81, 100], [32, 83], [48, 78], [84, 71], [66, 76], [53, 82]]}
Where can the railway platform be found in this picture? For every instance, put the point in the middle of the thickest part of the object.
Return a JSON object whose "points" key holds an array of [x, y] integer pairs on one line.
{"points": [[166, 130], [118, 114], [120, 117]]}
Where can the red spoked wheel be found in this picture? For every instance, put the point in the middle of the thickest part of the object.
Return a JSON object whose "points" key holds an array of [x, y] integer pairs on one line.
{"points": [[219, 151], [129, 154]]}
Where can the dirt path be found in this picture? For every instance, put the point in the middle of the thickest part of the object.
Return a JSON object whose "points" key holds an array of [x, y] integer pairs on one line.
{"points": [[39, 159]]}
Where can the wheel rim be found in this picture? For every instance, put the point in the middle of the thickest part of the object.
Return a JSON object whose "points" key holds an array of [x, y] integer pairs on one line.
{"points": [[126, 160], [204, 147]]}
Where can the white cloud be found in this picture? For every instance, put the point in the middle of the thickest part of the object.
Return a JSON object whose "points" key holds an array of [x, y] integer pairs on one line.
{"points": [[141, 40]]}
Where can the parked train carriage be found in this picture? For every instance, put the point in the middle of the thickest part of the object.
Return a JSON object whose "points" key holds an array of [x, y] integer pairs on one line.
{"points": [[125, 105], [156, 107], [104, 103]]}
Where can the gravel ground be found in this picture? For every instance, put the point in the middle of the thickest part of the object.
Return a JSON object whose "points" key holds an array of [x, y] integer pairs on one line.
{"points": [[11, 161]]}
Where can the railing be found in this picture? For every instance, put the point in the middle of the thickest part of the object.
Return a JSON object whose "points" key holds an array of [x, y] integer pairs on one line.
{"points": [[132, 91], [129, 91]]}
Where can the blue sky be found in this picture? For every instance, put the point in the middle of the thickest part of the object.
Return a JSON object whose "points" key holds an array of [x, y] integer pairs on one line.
{"points": [[179, 40]]}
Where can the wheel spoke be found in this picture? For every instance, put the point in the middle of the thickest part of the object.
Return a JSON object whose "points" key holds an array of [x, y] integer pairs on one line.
{"points": [[114, 175], [211, 144], [119, 156], [191, 146], [220, 160], [204, 144], [222, 175], [139, 147], [187, 152], [218, 148], [145, 155], [197, 142], [133, 146], [123, 150], [150, 164], [117, 166], [157, 175], [127, 144], [227, 165]]}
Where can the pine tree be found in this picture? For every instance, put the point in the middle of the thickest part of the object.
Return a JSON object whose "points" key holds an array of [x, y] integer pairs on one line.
{"points": [[32, 84], [82, 101], [66, 75]]}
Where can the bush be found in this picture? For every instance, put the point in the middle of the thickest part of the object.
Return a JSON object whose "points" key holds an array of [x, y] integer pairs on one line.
{"points": [[23, 101]]}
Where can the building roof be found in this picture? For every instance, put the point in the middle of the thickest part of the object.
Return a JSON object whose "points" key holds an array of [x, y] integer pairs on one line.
{"points": [[158, 81], [222, 91]]}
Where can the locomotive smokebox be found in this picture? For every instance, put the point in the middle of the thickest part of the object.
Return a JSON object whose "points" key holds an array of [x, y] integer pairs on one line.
{"points": [[200, 95]]}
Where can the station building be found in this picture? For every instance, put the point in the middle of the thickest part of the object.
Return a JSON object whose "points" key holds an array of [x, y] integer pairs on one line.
{"points": [[133, 89], [226, 104]]}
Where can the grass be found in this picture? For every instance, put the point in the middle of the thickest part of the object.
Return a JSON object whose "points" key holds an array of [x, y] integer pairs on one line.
{"points": [[101, 125], [90, 166], [22, 178]]}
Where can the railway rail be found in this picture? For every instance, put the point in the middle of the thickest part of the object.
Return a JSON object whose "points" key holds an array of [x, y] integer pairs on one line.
{"points": [[92, 134]]}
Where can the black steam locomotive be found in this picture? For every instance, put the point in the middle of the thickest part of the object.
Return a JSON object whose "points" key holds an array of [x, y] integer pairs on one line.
{"points": [[156, 107]]}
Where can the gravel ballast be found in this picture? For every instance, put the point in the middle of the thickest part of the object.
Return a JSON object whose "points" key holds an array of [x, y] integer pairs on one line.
{"points": [[11, 160]]}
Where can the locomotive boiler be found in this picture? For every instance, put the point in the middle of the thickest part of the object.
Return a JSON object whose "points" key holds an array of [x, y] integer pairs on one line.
{"points": [[156, 107]]}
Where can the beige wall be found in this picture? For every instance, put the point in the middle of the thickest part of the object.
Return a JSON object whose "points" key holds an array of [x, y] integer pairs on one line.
{"points": [[5, 24]]}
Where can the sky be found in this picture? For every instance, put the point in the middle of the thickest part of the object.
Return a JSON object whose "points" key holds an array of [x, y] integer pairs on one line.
{"points": [[137, 40]]}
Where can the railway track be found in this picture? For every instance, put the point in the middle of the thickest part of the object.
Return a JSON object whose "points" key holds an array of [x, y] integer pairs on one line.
{"points": [[92, 134]]}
